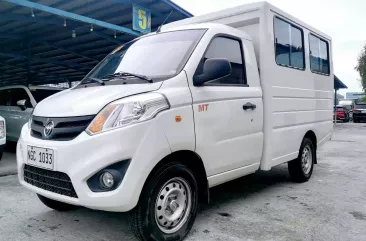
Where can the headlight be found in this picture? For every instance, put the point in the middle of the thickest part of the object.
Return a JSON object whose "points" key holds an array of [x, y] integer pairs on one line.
{"points": [[2, 129], [127, 111]]}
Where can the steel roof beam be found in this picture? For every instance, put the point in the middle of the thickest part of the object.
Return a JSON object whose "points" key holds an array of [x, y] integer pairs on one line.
{"points": [[49, 61], [73, 16], [148, 6], [53, 21], [176, 7], [23, 68], [76, 26], [48, 43]]}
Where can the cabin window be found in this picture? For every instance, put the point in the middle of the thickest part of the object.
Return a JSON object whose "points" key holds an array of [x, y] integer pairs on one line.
{"points": [[230, 49], [289, 44], [319, 55]]}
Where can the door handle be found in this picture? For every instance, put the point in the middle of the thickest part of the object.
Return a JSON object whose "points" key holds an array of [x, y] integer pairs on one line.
{"points": [[248, 106]]}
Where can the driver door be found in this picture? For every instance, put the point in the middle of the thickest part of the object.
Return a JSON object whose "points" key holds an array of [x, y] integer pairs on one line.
{"points": [[228, 115]]}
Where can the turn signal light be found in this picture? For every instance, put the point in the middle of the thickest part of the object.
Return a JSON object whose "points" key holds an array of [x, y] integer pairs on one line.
{"points": [[178, 118], [97, 124]]}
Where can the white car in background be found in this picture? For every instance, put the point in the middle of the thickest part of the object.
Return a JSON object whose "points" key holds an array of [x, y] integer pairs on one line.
{"points": [[2, 136], [17, 103]]}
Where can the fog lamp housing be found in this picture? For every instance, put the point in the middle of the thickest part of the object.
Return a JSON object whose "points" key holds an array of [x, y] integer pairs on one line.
{"points": [[108, 178]]}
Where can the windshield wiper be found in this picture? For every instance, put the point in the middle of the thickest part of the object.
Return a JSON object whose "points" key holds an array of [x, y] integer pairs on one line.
{"points": [[143, 77], [101, 82]]}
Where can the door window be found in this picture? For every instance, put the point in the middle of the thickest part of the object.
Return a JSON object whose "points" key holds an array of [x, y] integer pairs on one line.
{"points": [[230, 49], [19, 94]]}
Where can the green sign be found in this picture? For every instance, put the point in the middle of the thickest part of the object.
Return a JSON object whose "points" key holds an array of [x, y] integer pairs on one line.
{"points": [[141, 19]]}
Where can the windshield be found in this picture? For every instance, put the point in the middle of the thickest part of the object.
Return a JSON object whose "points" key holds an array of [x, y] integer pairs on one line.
{"points": [[158, 57], [40, 94]]}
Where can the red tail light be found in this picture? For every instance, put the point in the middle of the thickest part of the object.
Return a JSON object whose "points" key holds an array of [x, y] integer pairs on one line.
{"points": [[356, 111]]}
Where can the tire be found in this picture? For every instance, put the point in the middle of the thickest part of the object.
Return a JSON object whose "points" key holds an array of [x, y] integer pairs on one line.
{"points": [[355, 121], [148, 220], [298, 171], [56, 205], [1, 155]]}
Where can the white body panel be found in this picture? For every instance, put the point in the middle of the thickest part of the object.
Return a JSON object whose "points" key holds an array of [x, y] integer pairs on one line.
{"points": [[58, 105], [294, 101]]}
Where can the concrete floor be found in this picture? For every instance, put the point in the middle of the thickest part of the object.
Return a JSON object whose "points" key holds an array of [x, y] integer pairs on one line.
{"points": [[263, 206]]}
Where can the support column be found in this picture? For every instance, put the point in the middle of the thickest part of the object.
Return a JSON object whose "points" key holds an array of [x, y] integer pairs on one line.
{"points": [[335, 105], [29, 66]]}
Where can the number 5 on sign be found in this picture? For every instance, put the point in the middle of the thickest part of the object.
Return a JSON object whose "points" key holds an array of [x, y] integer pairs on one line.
{"points": [[141, 19]]}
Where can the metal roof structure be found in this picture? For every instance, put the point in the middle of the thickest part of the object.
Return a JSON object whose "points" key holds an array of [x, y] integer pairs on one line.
{"points": [[338, 84], [54, 41]]}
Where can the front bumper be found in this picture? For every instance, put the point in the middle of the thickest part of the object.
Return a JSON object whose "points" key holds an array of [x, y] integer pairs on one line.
{"points": [[144, 144]]}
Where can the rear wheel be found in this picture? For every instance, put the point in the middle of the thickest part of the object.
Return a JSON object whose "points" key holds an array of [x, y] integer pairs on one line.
{"points": [[168, 205], [1, 155], [355, 121], [301, 168], [56, 205]]}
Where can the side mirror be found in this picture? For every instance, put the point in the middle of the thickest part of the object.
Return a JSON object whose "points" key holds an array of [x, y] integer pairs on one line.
{"points": [[22, 104], [213, 69]]}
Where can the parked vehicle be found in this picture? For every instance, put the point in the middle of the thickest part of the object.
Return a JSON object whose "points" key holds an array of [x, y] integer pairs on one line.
{"points": [[2, 136], [342, 113], [17, 103], [152, 136], [359, 112], [348, 105]]}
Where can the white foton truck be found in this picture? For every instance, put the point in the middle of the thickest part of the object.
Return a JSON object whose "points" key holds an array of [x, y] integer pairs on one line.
{"points": [[170, 114]]}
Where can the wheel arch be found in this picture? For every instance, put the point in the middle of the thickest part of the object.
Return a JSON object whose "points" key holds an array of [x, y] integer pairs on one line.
{"points": [[194, 162], [312, 136]]}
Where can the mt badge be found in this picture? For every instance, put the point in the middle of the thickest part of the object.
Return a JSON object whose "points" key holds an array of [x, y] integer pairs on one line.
{"points": [[203, 107]]}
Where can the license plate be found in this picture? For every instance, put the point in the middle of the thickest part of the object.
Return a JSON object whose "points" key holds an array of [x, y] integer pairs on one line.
{"points": [[41, 157]]}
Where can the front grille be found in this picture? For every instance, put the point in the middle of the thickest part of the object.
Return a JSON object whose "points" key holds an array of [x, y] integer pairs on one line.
{"points": [[64, 128], [57, 182]]}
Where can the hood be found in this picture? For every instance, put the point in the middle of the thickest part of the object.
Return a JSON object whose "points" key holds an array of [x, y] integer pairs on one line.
{"points": [[88, 101]]}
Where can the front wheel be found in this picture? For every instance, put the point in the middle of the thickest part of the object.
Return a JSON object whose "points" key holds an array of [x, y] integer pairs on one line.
{"points": [[168, 205], [301, 168], [56, 205]]}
